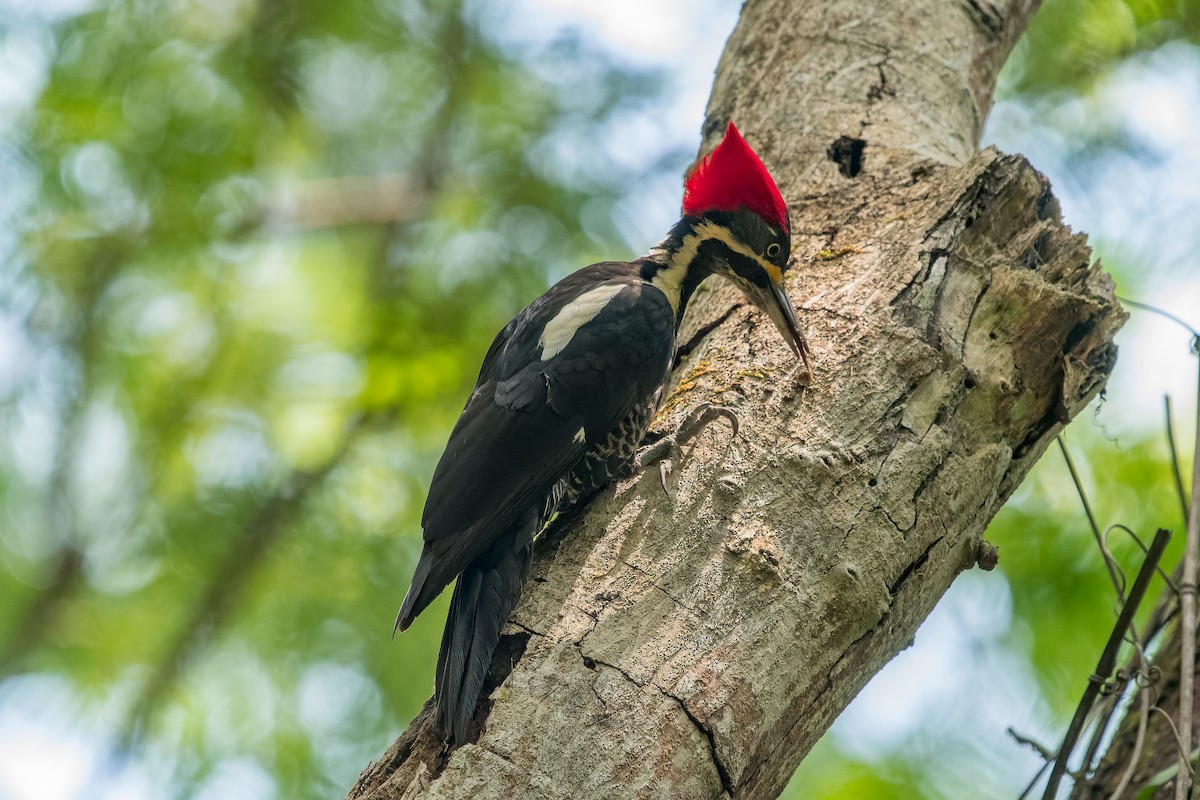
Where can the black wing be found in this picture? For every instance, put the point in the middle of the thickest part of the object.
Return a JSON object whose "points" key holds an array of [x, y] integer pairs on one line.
{"points": [[529, 420]]}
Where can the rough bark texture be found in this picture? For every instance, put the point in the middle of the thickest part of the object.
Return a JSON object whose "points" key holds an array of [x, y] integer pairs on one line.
{"points": [[696, 644]]}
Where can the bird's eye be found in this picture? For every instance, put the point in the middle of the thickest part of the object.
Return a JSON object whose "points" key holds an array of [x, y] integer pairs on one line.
{"points": [[773, 249]]}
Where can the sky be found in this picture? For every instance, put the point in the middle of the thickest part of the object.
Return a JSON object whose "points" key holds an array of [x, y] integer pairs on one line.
{"points": [[1138, 211]]}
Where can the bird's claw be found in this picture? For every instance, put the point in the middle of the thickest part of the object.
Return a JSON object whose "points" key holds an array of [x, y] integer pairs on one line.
{"points": [[699, 417], [666, 448]]}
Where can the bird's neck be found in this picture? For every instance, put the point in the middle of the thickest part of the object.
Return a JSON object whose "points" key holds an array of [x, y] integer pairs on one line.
{"points": [[679, 263]]}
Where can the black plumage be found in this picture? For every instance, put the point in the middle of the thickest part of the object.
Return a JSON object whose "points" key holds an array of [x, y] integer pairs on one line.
{"points": [[535, 434], [565, 394], [520, 431]]}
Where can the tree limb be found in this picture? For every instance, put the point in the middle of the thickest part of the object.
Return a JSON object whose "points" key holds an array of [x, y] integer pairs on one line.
{"points": [[697, 644]]}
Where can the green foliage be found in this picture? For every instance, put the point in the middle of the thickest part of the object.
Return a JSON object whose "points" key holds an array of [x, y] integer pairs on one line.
{"points": [[1072, 43], [264, 247], [1066, 601], [253, 253]]}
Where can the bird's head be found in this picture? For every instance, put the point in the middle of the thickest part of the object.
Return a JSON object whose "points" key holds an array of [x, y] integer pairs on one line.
{"points": [[738, 215]]}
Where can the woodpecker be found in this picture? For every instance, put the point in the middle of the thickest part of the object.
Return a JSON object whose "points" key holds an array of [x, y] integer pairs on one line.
{"points": [[566, 392]]}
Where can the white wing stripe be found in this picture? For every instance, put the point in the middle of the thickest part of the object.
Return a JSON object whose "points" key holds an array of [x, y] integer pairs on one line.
{"points": [[574, 315]]}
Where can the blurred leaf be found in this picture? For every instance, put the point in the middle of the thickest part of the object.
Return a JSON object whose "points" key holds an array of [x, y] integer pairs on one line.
{"points": [[1072, 43], [247, 226]]}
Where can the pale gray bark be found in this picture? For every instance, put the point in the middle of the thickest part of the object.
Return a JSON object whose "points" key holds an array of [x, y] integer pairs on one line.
{"points": [[697, 644]]}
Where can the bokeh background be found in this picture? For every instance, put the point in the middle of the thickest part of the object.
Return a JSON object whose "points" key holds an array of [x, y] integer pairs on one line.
{"points": [[251, 253]]}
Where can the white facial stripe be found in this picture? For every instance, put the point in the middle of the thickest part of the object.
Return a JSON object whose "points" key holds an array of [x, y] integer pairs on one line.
{"points": [[670, 278], [574, 315], [717, 232]]}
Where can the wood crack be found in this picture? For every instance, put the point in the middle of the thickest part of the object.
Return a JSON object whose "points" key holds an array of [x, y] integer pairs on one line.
{"points": [[526, 628], [687, 348], [717, 762], [722, 770], [971, 318], [694, 611], [805, 712], [913, 567]]}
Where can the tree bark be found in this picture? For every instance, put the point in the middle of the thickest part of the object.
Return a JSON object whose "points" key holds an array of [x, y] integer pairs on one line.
{"points": [[696, 643]]}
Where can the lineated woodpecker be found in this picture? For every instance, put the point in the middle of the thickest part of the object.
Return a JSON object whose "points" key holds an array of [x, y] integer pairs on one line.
{"points": [[566, 392]]}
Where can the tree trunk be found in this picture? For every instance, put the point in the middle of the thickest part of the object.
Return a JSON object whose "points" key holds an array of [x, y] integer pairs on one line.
{"points": [[696, 643]]}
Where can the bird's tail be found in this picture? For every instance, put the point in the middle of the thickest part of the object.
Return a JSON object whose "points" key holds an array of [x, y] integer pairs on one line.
{"points": [[486, 592], [420, 594]]}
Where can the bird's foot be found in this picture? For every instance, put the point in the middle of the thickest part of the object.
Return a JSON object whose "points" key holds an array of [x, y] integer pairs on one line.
{"points": [[666, 449]]}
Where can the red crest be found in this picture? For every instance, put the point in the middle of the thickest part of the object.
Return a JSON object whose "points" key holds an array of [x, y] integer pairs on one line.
{"points": [[733, 176]]}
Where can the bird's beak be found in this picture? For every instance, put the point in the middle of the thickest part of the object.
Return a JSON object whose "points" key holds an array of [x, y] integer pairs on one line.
{"points": [[783, 314]]}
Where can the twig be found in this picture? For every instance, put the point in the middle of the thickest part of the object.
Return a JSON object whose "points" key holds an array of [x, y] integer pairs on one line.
{"points": [[1164, 314], [1174, 732], [1108, 660], [1171, 581], [1034, 782], [1139, 741], [1104, 717], [1045, 752], [1183, 503], [1164, 608], [1187, 602], [1134, 664], [1113, 571]]}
